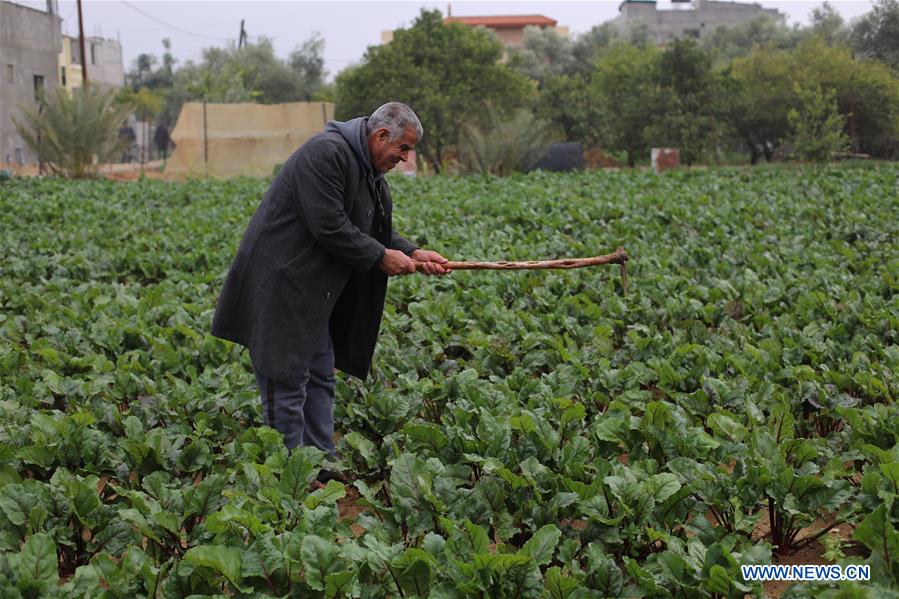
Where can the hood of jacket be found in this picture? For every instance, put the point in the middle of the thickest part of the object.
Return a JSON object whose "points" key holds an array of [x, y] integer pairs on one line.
{"points": [[353, 131]]}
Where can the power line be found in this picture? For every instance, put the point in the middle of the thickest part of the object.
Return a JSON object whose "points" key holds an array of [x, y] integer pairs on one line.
{"points": [[175, 27]]}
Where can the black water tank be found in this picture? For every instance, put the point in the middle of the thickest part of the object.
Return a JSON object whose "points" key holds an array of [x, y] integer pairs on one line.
{"points": [[562, 157]]}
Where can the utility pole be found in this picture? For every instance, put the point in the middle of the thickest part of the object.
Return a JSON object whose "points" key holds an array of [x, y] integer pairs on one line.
{"points": [[81, 44], [242, 38]]}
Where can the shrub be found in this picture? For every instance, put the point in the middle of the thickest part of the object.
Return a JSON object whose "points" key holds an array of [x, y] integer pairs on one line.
{"points": [[504, 144], [818, 126], [72, 134]]}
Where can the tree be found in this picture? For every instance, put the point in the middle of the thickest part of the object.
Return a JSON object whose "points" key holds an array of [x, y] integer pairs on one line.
{"points": [[624, 85], [764, 94], [588, 46], [307, 61], [875, 35], [71, 134], [251, 73], [448, 72], [866, 95], [571, 104], [764, 31], [146, 104], [543, 53], [692, 101], [866, 92], [817, 125], [827, 24]]}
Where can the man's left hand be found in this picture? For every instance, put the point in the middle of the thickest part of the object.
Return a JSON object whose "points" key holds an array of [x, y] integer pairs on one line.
{"points": [[430, 262]]}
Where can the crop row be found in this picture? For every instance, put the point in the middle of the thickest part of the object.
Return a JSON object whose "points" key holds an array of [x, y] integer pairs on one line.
{"points": [[521, 434]]}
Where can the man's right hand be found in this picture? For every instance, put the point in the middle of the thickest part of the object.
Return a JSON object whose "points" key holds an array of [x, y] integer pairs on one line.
{"points": [[395, 262]]}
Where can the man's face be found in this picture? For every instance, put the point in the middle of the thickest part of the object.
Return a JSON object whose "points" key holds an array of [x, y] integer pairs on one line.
{"points": [[385, 154]]}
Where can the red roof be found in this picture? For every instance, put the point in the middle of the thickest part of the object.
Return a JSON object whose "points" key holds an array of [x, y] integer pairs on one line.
{"points": [[507, 21]]}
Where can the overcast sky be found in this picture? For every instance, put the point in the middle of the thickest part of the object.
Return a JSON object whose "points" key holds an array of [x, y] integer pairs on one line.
{"points": [[347, 27]]}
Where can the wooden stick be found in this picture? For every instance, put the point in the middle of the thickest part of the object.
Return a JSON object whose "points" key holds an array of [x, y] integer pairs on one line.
{"points": [[619, 256]]}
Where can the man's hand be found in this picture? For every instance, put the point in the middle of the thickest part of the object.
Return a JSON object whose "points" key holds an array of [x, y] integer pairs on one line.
{"points": [[431, 262], [395, 262]]}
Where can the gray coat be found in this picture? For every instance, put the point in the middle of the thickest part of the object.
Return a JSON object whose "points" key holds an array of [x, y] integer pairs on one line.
{"points": [[307, 264]]}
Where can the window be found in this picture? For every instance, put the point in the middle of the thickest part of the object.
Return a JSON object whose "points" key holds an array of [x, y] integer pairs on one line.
{"points": [[75, 51], [38, 86], [62, 76], [94, 53], [10, 74]]}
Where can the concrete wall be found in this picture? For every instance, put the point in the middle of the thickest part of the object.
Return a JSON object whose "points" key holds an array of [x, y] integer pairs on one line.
{"points": [[104, 63], [30, 41], [696, 19]]}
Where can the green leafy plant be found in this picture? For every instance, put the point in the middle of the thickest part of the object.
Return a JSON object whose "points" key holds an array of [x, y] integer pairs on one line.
{"points": [[817, 125], [504, 144], [73, 133]]}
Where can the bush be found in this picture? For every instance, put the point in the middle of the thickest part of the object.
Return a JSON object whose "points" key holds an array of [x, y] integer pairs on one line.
{"points": [[72, 134], [504, 144], [818, 126]]}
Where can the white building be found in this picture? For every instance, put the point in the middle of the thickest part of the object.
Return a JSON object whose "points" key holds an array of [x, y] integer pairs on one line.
{"points": [[696, 18]]}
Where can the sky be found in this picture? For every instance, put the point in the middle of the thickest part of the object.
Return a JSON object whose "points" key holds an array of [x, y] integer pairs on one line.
{"points": [[347, 27]]}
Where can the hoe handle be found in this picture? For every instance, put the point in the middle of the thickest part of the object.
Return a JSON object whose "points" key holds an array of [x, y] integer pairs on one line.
{"points": [[619, 256]]}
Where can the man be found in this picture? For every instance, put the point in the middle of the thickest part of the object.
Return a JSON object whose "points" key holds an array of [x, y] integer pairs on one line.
{"points": [[305, 292]]}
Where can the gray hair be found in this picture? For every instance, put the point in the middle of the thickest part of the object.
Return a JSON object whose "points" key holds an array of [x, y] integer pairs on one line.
{"points": [[396, 117]]}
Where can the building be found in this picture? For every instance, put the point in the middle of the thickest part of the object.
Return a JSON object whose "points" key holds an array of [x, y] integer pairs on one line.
{"points": [[508, 28], [696, 18], [30, 42], [105, 66]]}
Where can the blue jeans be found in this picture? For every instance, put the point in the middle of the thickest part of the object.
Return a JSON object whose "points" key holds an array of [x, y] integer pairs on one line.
{"points": [[304, 414]]}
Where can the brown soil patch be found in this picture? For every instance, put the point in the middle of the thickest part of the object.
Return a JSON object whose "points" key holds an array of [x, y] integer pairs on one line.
{"points": [[811, 554], [348, 509]]}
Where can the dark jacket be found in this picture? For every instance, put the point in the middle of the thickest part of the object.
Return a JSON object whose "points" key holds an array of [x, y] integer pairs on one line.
{"points": [[307, 264]]}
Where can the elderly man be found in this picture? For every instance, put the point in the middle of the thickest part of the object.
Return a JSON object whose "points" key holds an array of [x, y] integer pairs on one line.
{"points": [[305, 292]]}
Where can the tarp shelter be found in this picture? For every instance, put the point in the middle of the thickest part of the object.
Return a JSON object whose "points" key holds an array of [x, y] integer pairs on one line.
{"points": [[227, 140]]}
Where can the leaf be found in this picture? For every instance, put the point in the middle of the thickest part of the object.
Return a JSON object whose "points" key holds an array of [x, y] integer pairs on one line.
{"points": [[37, 564], [543, 544], [298, 474], [363, 445], [606, 575], [878, 534], [662, 486], [206, 497], [227, 561], [415, 577], [338, 583], [726, 426], [333, 491], [558, 585], [320, 558], [719, 581], [39, 455]]}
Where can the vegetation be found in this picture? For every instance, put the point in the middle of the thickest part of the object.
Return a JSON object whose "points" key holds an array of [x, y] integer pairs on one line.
{"points": [[817, 125], [449, 73], [523, 434], [73, 134], [504, 145], [251, 73], [730, 93]]}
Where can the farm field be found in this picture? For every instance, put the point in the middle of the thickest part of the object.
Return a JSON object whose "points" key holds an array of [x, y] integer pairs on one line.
{"points": [[523, 434]]}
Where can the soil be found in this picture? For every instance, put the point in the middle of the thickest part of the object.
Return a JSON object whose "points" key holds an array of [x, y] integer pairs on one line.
{"points": [[813, 553], [349, 510]]}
